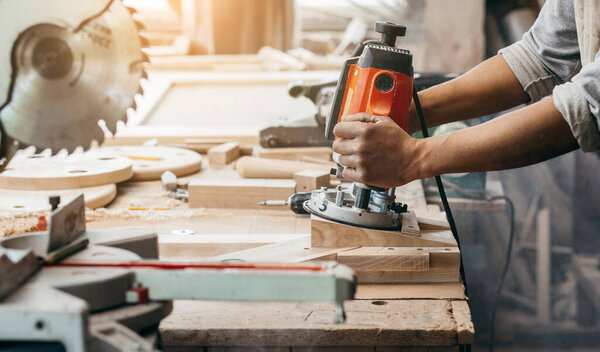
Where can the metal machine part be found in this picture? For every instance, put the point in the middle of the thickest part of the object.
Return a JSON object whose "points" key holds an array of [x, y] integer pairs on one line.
{"points": [[359, 206], [107, 294], [64, 66], [307, 131], [377, 79]]}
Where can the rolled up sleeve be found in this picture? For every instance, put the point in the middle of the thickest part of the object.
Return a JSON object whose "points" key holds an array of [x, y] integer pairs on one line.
{"points": [[548, 54], [579, 103]]}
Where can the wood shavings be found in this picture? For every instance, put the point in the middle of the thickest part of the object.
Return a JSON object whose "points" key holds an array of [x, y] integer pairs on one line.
{"points": [[16, 224]]}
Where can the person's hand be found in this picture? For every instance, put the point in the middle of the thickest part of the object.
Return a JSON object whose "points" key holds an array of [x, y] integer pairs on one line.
{"points": [[376, 151]]}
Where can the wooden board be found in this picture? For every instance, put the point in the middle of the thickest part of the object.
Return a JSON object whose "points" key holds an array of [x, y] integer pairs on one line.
{"points": [[376, 323], [293, 251], [42, 172], [386, 259], [253, 167], [37, 201], [294, 154], [403, 264], [411, 291], [149, 163], [492, 187], [238, 193], [326, 233], [209, 247]]}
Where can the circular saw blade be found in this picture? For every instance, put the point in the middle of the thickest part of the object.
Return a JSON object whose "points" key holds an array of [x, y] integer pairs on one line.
{"points": [[72, 64]]}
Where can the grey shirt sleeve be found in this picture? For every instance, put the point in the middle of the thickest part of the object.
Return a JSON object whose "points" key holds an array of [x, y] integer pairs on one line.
{"points": [[547, 61]]}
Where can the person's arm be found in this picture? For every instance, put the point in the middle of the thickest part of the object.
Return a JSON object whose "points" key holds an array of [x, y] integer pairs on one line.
{"points": [[527, 71], [378, 152], [486, 89]]}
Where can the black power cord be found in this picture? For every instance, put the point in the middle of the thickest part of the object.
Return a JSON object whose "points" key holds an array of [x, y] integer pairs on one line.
{"points": [[441, 190]]}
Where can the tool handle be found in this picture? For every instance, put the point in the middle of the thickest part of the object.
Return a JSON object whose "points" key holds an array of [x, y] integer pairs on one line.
{"points": [[338, 100], [253, 167]]}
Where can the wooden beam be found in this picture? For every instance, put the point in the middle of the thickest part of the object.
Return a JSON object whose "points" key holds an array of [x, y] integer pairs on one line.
{"points": [[403, 264], [543, 268], [390, 259], [240, 193], [326, 233], [449, 290], [294, 154], [224, 153], [252, 167]]}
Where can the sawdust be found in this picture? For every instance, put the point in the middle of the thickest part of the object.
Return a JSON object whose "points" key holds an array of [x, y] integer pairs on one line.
{"points": [[13, 224]]}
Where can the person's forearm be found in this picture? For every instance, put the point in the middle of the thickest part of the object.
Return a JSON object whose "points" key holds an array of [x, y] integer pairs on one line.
{"points": [[488, 88], [523, 137]]}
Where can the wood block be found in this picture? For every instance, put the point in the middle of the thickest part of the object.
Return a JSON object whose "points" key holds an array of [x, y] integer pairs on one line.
{"points": [[326, 233], [410, 225], [310, 180], [241, 193], [295, 154], [388, 259], [224, 153], [408, 265]]}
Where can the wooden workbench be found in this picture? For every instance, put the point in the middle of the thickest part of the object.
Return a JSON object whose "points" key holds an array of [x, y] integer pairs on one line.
{"points": [[415, 317]]}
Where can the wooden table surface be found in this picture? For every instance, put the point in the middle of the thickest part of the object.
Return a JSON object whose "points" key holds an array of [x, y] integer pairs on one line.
{"points": [[389, 317]]}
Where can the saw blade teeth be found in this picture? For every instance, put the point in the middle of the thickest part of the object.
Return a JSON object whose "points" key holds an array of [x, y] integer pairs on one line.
{"points": [[144, 41], [144, 74], [140, 26], [145, 57], [132, 10]]}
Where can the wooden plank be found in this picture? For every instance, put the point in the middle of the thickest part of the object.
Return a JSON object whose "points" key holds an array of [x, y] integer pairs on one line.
{"points": [[310, 180], [252, 167], [543, 267], [294, 154], [224, 153], [455, 348], [388, 259], [137, 135], [411, 291], [464, 324], [334, 349], [326, 233], [493, 187], [180, 247], [371, 266], [293, 251], [383, 322], [238, 193]]}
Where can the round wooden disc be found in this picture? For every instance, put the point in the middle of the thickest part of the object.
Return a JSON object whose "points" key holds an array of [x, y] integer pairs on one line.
{"points": [[42, 172], [149, 163], [36, 201]]}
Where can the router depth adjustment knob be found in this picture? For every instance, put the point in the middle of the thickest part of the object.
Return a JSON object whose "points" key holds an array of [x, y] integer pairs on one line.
{"points": [[390, 31]]}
